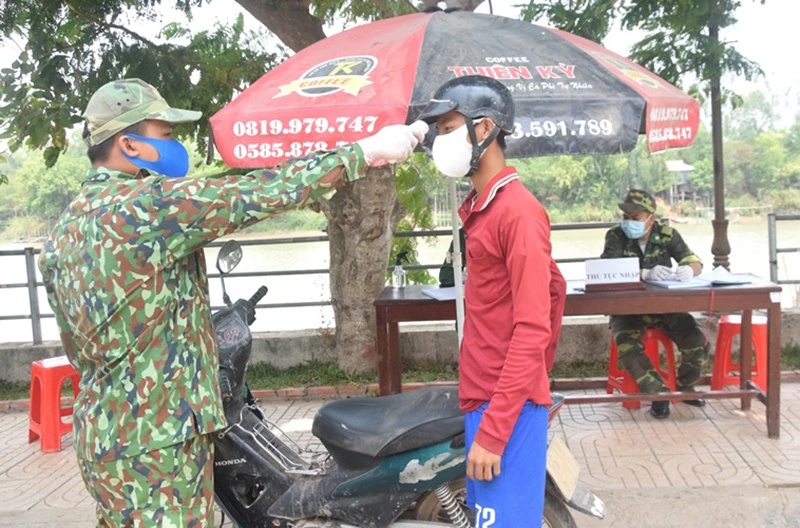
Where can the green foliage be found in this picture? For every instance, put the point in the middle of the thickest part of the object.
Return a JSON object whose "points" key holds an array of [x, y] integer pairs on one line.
{"points": [[587, 188], [25, 227], [415, 178], [686, 209], [73, 48], [591, 19], [761, 169], [36, 195], [749, 205], [677, 39], [785, 201], [296, 220], [332, 11]]}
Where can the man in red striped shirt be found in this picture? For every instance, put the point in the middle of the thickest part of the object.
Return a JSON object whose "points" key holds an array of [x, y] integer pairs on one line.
{"points": [[514, 303]]}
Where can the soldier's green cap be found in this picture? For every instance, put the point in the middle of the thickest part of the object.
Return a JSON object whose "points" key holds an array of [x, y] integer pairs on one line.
{"points": [[120, 104], [638, 200]]}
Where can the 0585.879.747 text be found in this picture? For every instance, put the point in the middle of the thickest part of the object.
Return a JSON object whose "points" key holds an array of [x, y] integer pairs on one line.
{"points": [[309, 125]]}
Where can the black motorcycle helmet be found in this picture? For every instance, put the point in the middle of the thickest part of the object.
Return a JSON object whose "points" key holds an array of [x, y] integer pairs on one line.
{"points": [[474, 96]]}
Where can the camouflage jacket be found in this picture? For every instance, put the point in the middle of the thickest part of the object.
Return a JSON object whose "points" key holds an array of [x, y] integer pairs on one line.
{"points": [[125, 274], [664, 244]]}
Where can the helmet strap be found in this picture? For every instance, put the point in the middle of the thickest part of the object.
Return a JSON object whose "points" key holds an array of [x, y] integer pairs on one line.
{"points": [[478, 149]]}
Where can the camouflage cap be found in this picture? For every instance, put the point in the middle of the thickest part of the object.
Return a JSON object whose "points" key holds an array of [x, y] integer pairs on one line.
{"points": [[638, 200], [120, 104]]}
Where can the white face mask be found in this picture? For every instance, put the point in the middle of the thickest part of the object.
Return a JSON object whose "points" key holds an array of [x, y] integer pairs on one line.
{"points": [[452, 152]]}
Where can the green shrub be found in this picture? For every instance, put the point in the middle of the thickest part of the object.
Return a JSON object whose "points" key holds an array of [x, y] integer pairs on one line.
{"points": [[25, 226], [686, 209], [785, 200]]}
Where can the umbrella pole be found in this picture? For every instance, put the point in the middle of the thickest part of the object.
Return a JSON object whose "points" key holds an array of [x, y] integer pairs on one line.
{"points": [[457, 261]]}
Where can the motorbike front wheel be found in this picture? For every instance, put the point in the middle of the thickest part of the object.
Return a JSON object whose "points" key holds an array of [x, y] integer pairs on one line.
{"points": [[428, 508]]}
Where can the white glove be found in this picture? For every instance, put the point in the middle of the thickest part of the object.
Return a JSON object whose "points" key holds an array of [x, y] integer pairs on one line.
{"points": [[684, 273], [393, 143], [658, 273]]}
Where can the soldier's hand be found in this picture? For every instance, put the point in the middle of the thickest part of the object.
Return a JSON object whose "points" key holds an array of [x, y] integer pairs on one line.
{"points": [[482, 464], [684, 273], [657, 273], [393, 143]]}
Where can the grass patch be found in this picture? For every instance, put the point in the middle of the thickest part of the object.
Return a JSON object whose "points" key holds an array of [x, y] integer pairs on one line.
{"points": [[580, 369], [790, 357], [22, 391], [14, 391], [317, 373]]}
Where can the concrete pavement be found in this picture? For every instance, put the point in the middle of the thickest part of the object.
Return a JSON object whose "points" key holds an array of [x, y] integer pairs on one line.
{"points": [[710, 467]]}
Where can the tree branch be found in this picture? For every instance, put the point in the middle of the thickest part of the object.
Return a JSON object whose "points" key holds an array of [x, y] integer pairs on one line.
{"points": [[159, 47], [109, 25], [384, 8], [289, 20]]}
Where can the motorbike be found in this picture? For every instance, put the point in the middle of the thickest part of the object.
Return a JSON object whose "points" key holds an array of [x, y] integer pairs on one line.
{"points": [[395, 461]]}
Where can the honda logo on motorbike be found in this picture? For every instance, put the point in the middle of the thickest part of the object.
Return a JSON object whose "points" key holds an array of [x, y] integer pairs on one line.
{"points": [[232, 462]]}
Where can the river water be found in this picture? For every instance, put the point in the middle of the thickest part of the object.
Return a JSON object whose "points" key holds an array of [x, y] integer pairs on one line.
{"points": [[749, 253]]}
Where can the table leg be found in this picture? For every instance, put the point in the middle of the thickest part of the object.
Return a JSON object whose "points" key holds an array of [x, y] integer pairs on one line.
{"points": [[395, 369], [774, 370], [383, 351], [746, 355]]}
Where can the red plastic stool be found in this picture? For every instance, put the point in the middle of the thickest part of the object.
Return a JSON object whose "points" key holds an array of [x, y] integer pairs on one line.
{"points": [[47, 378], [729, 327], [622, 381]]}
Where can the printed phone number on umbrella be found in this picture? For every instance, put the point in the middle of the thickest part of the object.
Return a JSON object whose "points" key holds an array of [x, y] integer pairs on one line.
{"points": [[670, 134], [580, 127], [308, 125], [295, 149]]}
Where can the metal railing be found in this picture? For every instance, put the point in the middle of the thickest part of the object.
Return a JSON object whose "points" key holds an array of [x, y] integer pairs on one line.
{"points": [[32, 285], [772, 223], [33, 291]]}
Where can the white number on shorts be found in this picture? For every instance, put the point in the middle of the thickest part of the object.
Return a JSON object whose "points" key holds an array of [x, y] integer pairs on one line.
{"points": [[485, 517]]}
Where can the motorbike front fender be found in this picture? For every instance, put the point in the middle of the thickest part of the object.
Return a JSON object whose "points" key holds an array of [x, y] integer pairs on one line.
{"points": [[562, 480]]}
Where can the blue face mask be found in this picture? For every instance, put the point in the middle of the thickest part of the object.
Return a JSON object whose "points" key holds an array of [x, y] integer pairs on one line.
{"points": [[173, 160], [633, 229]]}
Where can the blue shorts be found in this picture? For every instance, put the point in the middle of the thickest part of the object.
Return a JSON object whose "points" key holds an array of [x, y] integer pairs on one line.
{"points": [[515, 499]]}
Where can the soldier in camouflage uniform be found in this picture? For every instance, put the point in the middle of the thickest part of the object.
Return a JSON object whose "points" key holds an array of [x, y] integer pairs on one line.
{"points": [[125, 274], [655, 245]]}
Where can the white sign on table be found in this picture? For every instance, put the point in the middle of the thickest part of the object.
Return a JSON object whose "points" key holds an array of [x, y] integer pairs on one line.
{"points": [[612, 271]]}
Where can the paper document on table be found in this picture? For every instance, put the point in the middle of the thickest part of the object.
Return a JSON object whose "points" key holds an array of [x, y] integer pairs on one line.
{"points": [[718, 277], [721, 276], [675, 284], [441, 294], [574, 286]]}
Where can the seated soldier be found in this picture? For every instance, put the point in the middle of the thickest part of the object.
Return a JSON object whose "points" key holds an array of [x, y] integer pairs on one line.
{"points": [[446, 273], [655, 245]]}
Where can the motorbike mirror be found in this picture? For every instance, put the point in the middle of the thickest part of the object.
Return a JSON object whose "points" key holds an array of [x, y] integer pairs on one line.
{"points": [[228, 258], [230, 255]]}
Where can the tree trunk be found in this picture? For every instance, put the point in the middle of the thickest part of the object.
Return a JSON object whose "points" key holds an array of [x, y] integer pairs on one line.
{"points": [[289, 20], [466, 5], [362, 217]]}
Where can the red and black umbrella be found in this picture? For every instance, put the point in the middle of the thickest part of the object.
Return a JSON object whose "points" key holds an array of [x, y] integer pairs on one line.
{"points": [[572, 95]]}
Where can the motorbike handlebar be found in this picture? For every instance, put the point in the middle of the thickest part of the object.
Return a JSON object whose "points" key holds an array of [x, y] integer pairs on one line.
{"points": [[257, 296]]}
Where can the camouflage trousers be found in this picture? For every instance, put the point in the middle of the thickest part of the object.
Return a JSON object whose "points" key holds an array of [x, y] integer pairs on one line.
{"points": [[681, 328], [168, 487]]}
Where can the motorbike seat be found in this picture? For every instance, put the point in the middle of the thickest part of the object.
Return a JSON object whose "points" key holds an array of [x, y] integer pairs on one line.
{"points": [[378, 427]]}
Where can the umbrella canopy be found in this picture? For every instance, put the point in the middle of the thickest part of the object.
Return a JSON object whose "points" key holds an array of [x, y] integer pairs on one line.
{"points": [[572, 96]]}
